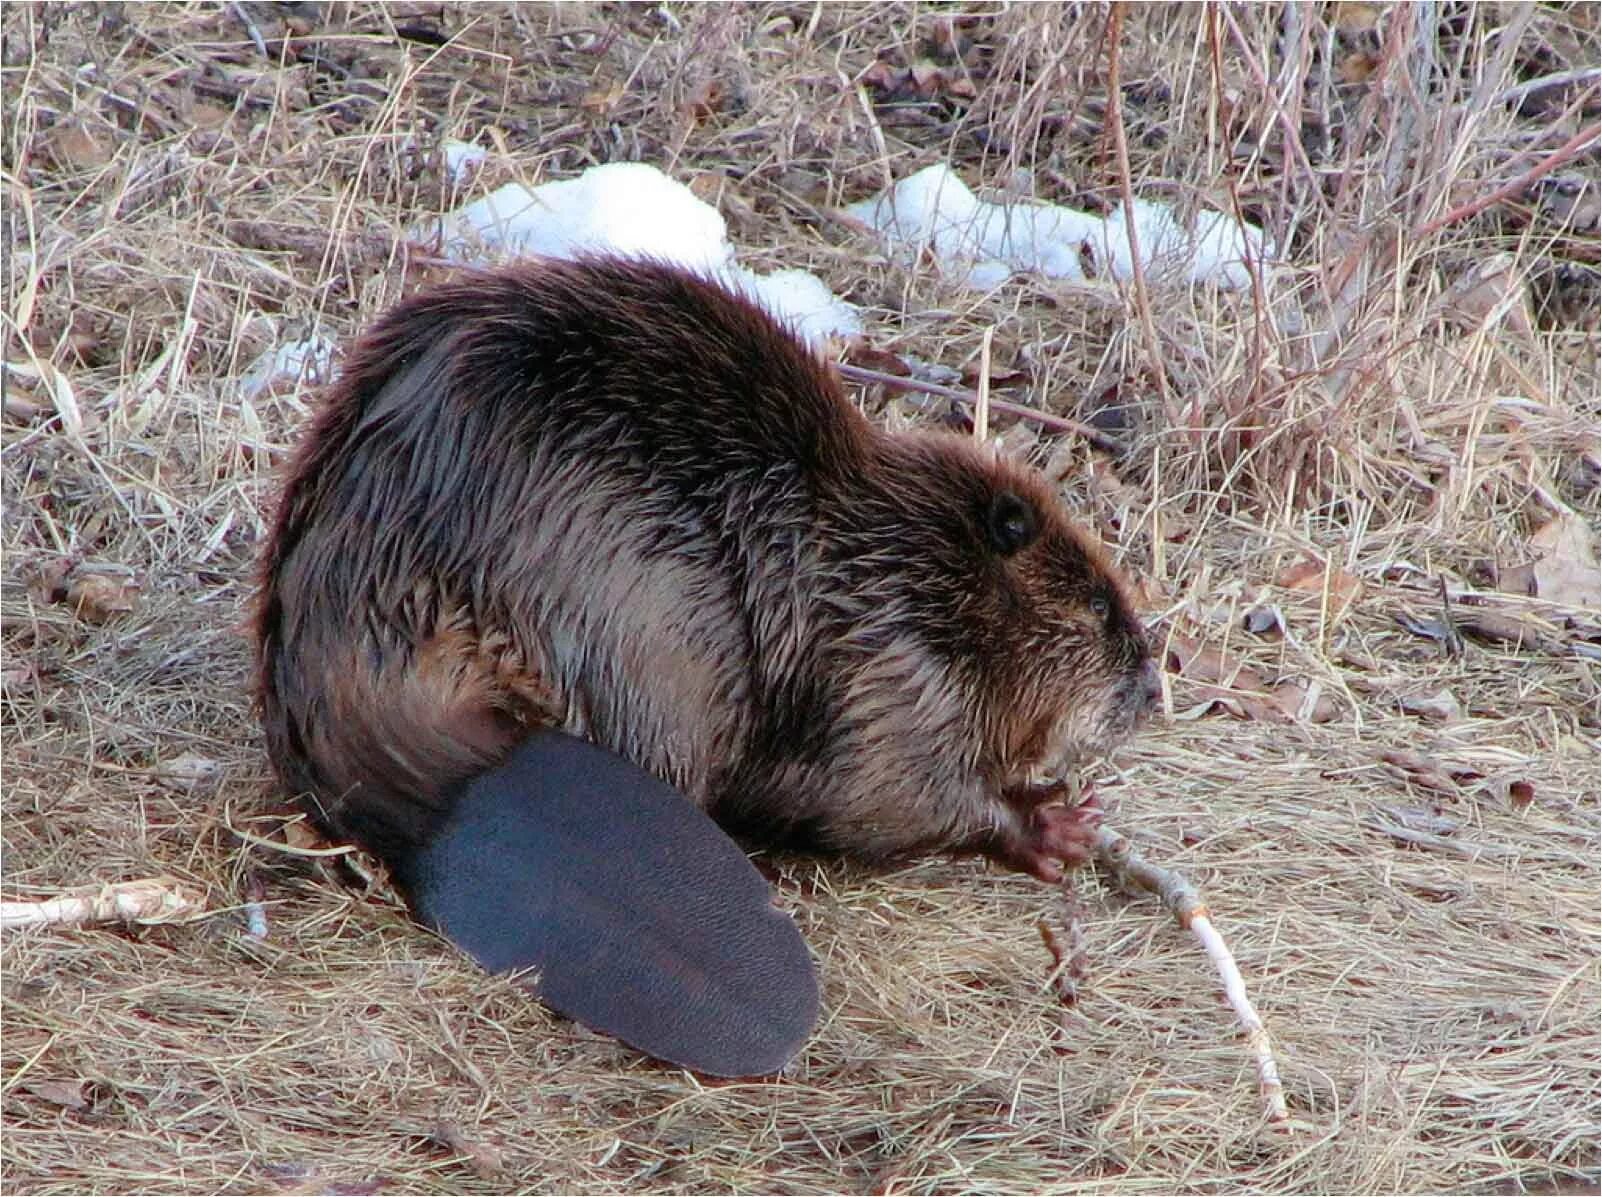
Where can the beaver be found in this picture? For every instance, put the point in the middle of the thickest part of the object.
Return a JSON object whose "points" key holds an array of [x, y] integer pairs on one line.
{"points": [[608, 518]]}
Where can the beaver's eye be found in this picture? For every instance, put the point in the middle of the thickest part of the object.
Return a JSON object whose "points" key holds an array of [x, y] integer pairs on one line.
{"points": [[1011, 523], [1100, 607]]}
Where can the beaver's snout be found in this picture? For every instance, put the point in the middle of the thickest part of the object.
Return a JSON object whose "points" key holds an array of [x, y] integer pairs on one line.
{"points": [[1138, 696], [1148, 688]]}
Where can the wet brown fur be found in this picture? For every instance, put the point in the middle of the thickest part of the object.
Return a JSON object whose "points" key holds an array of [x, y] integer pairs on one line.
{"points": [[613, 498]]}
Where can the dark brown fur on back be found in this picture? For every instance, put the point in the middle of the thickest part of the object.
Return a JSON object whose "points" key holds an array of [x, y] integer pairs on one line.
{"points": [[613, 498]]}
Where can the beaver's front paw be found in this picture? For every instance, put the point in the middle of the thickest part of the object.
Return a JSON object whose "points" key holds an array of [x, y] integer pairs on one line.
{"points": [[1052, 834]]}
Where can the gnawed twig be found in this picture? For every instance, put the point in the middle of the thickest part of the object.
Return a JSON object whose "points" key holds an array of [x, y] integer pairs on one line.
{"points": [[1115, 854], [148, 900]]}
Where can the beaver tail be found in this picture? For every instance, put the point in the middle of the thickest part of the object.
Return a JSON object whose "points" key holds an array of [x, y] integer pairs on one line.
{"points": [[643, 918]]}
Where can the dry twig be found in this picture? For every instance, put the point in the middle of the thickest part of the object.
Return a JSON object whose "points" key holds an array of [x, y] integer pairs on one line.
{"points": [[1561, 156], [1115, 122], [900, 382]]}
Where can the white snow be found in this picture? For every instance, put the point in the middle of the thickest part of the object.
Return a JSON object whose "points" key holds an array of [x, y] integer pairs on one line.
{"points": [[625, 208], [306, 360], [803, 300], [986, 243], [634, 210], [461, 157]]}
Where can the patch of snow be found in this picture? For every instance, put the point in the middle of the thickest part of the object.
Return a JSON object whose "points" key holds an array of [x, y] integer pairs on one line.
{"points": [[625, 208], [308, 359], [631, 209], [461, 157], [985, 243], [802, 300]]}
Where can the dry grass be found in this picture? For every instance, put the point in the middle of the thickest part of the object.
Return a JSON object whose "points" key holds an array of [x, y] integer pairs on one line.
{"points": [[177, 199]]}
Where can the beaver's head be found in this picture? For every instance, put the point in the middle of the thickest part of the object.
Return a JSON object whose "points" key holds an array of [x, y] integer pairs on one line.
{"points": [[1029, 612]]}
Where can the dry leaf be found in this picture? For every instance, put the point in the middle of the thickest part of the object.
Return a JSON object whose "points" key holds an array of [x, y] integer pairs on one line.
{"points": [[998, 377], [1517, 579], [69, 1094], [1451, 780], [705, 100], [1384, 820], [96, 591], [485, 1160], [77, 338], [206, 114], [1199, 663], [871, 357], [926, 77], [1421, 770], [16, 675], [189, 773], [1443, 706], [1216, 699], [1567, 570], [1355, 16], [1493, 291], [1496, 627], [20, 411], [298, 833], [1517, 792], [601, 100], [1415, 818], [1571, 200], [1432, 628], [1306, 574], [1222, 684], [923, 80], [1359, 66], [99, 593], [1303, 701], [47, 580], [72, 145], [959, 85], [879, 75], [41, 375], [1018, 442], [1267, 621], [1312, 575]]}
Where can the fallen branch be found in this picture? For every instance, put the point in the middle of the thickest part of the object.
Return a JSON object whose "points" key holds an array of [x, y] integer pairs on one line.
{"points": [[1558, 157], [150, 900], [1523, 91], [1115, 854], [900, 382]]}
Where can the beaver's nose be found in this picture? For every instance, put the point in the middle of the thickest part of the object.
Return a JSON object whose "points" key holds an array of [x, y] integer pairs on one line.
{"points": [[1151, 686]]}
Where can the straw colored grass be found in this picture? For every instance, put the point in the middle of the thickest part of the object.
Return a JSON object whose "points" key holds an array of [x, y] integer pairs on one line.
{"points": [[180, 196]]}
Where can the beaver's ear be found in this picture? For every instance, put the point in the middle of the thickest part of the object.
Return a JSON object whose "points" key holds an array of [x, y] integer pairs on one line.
{"points": [[641, 917], [1011, 523]]}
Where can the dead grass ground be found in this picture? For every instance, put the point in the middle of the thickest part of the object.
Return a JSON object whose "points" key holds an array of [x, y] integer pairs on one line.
{"points": [[1403, 852]]}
